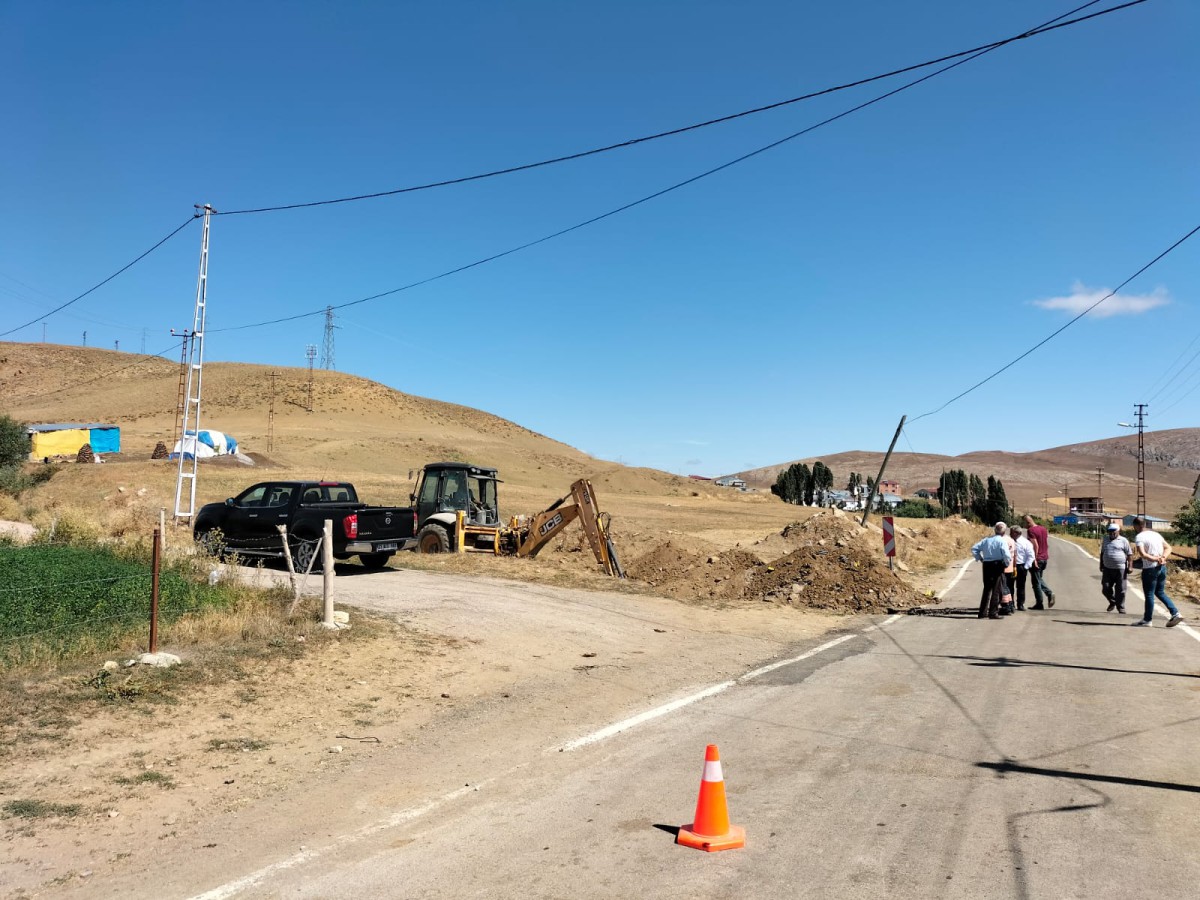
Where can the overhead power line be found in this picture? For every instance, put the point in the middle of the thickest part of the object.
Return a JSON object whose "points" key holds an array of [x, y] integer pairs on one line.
{"points": [[1058, 331], [1052, 25], [128, 265], [1172, 379], [628, 206]]}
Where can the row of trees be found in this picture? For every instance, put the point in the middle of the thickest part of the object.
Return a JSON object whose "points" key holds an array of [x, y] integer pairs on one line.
{"points": [[798, 484], [966, 494]]}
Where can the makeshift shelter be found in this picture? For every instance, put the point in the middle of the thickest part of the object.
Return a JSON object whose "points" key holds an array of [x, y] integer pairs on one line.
{"points": [[204, 444], [65, 439]]}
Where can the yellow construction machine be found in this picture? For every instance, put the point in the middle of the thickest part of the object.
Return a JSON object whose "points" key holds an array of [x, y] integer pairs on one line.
{"points": [[458, 510]]}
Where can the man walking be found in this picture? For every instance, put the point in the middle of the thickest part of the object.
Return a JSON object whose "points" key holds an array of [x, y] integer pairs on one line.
{"points": [[1154, 551], [993, 552], [1115, 561], [1026, 559], [1040, 538]]}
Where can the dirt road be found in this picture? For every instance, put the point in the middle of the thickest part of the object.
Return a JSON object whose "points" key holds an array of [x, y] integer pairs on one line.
{"points": [[483, 673]]}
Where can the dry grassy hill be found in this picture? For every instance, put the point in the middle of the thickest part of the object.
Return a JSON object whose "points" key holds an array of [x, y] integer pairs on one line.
{"points": [[1172, 466], [359, 430]]}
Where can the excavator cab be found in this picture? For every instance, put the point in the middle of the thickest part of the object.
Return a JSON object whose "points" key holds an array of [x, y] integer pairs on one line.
{"points": [[443, 489]]}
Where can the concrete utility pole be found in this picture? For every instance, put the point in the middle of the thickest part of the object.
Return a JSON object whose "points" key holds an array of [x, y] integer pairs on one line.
{"points": [[271, 414], [85, 339], [185, 502], [310, 353], [116, 345], [882, 469], [1141, 427], [1100, 486]]}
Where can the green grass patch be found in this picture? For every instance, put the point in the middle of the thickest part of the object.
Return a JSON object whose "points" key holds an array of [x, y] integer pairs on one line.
{"points": [[54, 597], [40, 809], [147, 777]]}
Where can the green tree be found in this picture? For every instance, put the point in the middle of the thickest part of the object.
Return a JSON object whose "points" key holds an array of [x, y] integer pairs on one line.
{"points": [[14, 443], [1187, 522], [822, 482]]}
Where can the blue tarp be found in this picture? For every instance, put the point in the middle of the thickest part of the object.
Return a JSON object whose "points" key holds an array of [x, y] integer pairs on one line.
{"points": [[105, 438]]}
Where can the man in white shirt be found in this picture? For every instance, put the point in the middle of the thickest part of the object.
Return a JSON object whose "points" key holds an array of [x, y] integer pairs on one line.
{"points": [[1026, 560], [1154, 552]]}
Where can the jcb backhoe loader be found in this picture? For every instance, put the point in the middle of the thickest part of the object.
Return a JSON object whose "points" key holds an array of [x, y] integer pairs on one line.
{"points": [[458, 510]]}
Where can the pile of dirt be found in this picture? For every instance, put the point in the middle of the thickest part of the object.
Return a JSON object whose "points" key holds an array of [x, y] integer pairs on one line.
{"points": [[822, 576], [85, 454], [160, 451], [829, 563]]}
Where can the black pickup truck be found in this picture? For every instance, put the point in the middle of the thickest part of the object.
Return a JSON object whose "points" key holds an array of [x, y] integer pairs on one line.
{"points": [[246, 524]]}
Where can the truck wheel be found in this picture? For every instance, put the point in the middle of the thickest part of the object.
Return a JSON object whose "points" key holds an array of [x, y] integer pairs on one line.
{"points": [[374, 560], [433, 539], [302, 551]]}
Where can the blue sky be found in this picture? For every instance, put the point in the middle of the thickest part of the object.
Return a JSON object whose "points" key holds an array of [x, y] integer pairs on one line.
{"points": [[793, 305]]}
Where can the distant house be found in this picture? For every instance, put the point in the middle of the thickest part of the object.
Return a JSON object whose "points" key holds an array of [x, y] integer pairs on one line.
{"points": [[1154, 522], [730, 481], [1086, 504], [889, 487], [891, 501], [928, 493]]}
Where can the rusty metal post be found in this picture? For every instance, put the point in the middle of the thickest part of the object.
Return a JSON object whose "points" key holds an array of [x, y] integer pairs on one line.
{"points": [[154, 563]]}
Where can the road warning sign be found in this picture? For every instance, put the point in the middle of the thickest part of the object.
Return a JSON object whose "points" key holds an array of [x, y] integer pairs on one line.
{"points": [[889, 536]]}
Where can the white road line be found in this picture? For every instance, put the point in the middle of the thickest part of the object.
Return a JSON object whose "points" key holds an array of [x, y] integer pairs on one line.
{"points": [[232, 888], [646, 716], [795, 659], [1077, 547], [962, 570], [1186, 629]]}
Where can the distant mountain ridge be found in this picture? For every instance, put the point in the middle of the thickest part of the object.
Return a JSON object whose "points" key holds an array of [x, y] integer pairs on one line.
{"points": [[1037, 481]]}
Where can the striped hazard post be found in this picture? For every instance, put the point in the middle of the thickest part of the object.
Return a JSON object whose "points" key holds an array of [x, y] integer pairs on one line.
{"points": [[889, 538]]}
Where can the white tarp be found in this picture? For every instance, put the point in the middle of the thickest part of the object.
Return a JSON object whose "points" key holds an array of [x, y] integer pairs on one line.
{"points": [[192, 449]]}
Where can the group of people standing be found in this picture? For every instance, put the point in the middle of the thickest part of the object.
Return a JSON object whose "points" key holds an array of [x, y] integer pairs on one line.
{"points": [[1117, 561], [1012, 556]]}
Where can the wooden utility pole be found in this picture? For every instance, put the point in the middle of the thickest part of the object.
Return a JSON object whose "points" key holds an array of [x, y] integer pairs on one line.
{"points": [[882, 469]]}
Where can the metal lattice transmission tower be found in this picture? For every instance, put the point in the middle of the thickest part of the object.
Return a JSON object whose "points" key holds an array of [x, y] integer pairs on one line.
{"points": [[185, 499], [1141, 427], [310, 353], [327, 360]]}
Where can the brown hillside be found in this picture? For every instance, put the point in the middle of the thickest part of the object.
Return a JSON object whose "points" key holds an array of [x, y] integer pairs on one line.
{"points": [[1172, 465], [359, 430]]}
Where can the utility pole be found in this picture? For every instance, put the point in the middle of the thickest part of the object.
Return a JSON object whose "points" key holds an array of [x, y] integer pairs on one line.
{"points": [[882, 468], [182, 393], [185, 507], [327, 347], [310, 353], [116, 345], [85, 339], [43, 332], [1141, 457], [271, 414], [1100, 487], [143, 351]]}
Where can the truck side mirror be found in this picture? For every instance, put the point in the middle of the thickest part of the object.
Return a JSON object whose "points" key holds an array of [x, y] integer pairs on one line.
{"points": [[229, 501]]}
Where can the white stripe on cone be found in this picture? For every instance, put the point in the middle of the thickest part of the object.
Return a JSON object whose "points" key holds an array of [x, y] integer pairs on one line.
{"points": [[712, 770]]}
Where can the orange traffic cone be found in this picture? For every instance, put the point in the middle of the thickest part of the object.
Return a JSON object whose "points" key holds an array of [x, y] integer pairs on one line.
{"points": [[711, 829]]}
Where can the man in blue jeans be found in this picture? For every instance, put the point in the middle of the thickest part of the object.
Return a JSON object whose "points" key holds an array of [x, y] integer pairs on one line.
{"points": [[1154, 552]]}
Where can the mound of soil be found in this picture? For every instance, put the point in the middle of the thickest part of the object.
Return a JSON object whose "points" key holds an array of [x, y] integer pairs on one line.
{"points": [[831, 567]]}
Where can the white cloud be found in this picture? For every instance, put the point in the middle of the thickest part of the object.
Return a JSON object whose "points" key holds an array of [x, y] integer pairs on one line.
{"points": [[1082, 297], [694, 443]]}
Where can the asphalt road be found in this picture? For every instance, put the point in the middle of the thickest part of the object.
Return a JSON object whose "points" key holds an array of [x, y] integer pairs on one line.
{"points": [[1049, 754]]}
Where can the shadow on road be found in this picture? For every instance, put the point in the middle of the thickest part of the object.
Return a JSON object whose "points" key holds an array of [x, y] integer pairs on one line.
{"points": [[1007, 662], [1018, 769]]}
